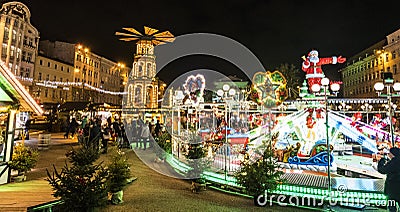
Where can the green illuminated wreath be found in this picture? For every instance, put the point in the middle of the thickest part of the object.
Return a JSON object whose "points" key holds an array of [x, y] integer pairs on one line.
{"points": [[269, 89]]}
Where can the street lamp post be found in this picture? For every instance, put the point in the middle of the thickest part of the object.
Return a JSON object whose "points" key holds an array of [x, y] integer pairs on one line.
{"points": [[83, 84], [224, 95], [335, 88], [178, 97], [379, 87]]}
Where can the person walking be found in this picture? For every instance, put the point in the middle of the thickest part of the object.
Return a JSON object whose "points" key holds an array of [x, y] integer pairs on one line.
{"points": [[157, 129], [138, 133], [73, 127], [95, 135], [106, 136], [145, 134], [390, 165], [27, 128], [116, 125], [67, 127]]}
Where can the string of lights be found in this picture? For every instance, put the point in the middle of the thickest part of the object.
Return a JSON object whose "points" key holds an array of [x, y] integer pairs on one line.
{"points": [[55, 84]]}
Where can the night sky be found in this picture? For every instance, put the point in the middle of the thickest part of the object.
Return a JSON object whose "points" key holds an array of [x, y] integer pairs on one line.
{"points": [[277, 31]]}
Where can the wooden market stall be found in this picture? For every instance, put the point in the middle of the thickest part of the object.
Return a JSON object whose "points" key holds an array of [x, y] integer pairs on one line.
{"points": [[13, 99]]}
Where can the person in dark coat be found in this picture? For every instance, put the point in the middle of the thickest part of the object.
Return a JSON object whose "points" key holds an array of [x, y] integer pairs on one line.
{"points": [[106, 137], [27, 128], [96, 135], [390, 165], [73, 127], [67, 127]]}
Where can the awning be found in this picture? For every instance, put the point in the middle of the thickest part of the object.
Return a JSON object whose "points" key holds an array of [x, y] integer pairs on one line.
{"points": [[13, 92], [70, 106]]}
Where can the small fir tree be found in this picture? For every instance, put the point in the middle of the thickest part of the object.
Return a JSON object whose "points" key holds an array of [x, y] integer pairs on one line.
{"points": [[82, 185], [260, 175], [119, 175], [164, 145], [196, 155]]}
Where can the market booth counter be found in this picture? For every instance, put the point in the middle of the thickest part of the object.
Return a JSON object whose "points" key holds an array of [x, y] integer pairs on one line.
{"points": [[13, 99]]}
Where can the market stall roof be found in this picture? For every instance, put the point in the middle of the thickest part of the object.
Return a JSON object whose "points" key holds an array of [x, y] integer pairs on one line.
{"points": [[69, 106], [13, 93]]}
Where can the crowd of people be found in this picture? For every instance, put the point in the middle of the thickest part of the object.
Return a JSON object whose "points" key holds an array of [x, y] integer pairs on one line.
{"points": [[143, 133], [99, 133]]}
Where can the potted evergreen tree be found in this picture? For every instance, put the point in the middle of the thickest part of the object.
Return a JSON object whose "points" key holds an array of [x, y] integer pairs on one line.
{"points": [[259, 176], [196, 160], [119, 176], [23, 160]]}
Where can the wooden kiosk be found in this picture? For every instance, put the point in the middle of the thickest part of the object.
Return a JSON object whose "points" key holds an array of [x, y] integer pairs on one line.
{"points": [[13, 99]]}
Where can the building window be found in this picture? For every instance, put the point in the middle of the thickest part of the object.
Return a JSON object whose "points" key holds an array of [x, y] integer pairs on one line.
{"points": [[40, 76], [14, 35], [395, 69], [48, 64], [394, 55], [16, 24], [18, 53], [55, 66], [6, 32], [41, 62]]}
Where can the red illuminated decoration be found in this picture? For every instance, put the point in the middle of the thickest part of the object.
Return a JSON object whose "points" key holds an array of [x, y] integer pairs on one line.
{"points": [[312, 66], [354, 121]]}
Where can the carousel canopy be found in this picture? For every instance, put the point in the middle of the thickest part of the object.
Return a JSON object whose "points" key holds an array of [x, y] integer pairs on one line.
{"points": [[13, 93]]}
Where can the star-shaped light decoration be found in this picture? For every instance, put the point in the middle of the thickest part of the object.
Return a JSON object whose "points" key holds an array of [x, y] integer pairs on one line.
{"points": [[269, 89]]}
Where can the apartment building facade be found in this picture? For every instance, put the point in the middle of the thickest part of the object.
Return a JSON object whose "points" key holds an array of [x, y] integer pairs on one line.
{"points": [[364, 69], [19, 41]]}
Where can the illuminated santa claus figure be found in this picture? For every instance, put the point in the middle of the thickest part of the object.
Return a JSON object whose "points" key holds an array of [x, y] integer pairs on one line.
{"points": [[312, 66]]}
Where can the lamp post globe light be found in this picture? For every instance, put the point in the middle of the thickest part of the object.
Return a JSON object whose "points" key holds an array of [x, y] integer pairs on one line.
{"points": [[367, 108], [225, 93], [178, 97], [379, 87]]}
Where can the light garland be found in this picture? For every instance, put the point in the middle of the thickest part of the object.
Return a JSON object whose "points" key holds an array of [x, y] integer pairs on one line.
{"points": [[55, 84]]}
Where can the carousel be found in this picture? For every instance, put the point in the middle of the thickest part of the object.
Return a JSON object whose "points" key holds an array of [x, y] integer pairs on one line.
{"points": [[320, 149]]}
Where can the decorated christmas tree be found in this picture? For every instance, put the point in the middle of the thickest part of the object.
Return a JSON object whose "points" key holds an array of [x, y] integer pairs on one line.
{"points": [[261, 174], [196, 157], [82, 184], [119, 176]]}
